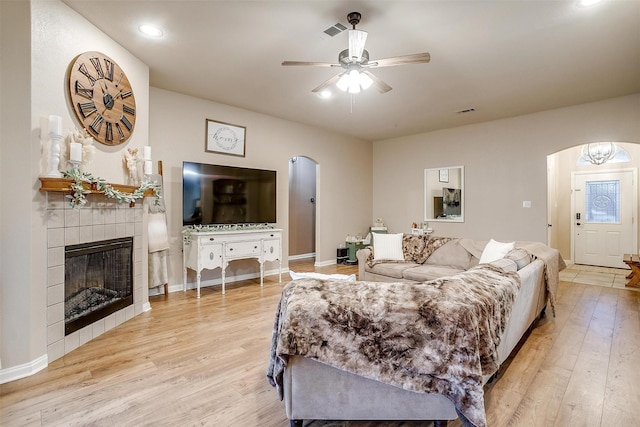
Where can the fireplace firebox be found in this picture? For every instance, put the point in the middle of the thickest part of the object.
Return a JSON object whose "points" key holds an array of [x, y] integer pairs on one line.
{"points": [[98, 281]]}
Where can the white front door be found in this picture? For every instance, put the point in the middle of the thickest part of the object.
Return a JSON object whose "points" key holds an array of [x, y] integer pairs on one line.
{"points": [[605, 207]]}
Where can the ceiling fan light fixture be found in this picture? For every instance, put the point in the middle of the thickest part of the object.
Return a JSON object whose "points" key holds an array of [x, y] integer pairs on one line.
{"points": [[365, 81], [355, 62], [354, 81], [343, 82]]}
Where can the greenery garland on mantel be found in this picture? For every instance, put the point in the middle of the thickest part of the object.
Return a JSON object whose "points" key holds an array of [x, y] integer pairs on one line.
{"points": [[199, 228], [79, 196]]}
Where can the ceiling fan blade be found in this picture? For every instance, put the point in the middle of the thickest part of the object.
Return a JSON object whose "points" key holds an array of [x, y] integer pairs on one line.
{"points": [[416, 58], [327, 83], [357, 40], [307, 63], [379, 84]]}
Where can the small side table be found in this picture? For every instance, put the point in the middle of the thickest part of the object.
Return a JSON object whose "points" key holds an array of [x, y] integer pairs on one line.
{"points": [[354, 247], [633, 261]]}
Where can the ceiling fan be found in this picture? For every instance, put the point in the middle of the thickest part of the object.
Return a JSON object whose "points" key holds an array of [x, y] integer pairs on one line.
{"points": [[356, 63]]}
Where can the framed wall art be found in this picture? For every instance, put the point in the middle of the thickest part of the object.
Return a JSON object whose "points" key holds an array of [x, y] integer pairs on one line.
{"points": [[444, 175], [224, 138]]}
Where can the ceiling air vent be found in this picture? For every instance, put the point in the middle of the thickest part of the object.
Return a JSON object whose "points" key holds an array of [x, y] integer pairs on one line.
{"points": [[466, 110], [335, 30]]}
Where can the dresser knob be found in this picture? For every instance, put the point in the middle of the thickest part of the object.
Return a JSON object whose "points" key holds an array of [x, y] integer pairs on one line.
{"points": [[211, 239]]}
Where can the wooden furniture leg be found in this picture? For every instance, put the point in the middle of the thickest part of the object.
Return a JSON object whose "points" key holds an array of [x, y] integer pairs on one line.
{"points": [[633, 261]]}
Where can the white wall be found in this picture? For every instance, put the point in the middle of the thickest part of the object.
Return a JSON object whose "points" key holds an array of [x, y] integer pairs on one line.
{"points": [[344, 183], [505, 164], [22, 308], [39, 41]]}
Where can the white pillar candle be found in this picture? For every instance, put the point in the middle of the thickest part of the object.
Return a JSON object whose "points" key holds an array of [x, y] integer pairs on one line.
{"points": [[146, 150], [148, 167], [76, 151], [55, 125]]}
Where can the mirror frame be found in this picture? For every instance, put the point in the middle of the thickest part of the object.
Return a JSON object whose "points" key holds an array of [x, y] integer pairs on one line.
{"points": [[436, 173]]}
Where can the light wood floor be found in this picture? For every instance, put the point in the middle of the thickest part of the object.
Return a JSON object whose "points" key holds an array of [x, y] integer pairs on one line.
{"points": [[194, 362]]}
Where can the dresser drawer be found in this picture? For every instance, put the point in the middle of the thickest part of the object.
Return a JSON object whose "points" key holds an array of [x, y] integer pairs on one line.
{"points": [[242, 249]]}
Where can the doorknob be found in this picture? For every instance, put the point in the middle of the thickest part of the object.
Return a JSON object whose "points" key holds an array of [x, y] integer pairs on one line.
{"points": [[577, 223]]}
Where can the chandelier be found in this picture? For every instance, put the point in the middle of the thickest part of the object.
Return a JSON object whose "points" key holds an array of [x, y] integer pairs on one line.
{"points": [[599, 152]]}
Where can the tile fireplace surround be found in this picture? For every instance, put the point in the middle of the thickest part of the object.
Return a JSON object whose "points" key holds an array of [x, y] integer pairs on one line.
{"points": [[100, 219]]}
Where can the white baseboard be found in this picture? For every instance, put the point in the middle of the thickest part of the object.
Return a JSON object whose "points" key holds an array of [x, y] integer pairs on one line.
{"points": [[146, 306], [324, 263], [301, 256], [218, 282], [25, 370]]}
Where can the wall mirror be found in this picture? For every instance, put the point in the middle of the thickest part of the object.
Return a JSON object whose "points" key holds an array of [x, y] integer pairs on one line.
{"points": [[444, 194]]}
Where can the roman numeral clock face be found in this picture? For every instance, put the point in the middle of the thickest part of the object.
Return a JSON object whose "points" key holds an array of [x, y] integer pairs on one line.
{"points": [[102, 98]]}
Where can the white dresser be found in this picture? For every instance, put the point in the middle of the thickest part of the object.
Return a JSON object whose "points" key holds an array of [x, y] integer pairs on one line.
{"points": [[213, 249]]}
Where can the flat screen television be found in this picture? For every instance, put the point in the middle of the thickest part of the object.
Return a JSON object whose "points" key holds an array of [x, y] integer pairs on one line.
{"points": [[216, 194]]}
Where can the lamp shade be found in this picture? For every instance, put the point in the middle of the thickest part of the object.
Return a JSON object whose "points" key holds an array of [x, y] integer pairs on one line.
{"points": [[343, 82], [354, 81], [365, 81]]}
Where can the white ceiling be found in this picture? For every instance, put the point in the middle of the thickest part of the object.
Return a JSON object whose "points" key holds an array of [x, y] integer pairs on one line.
{"points": [[503, 58]]}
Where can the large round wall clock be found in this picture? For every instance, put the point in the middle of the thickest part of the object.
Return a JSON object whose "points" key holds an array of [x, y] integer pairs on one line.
{"points": [[101, 97]]}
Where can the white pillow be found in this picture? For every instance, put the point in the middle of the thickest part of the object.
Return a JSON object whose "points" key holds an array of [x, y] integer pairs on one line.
{"points": [[387, 247], [494, 251]]}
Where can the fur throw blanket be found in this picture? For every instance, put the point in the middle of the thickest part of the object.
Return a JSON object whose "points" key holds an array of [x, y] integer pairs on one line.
{"points": [[439, 336], [553, 263]]}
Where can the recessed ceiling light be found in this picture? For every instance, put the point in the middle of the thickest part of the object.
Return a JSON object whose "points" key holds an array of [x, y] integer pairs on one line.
{"points": [[150, 30], [587, 3]]}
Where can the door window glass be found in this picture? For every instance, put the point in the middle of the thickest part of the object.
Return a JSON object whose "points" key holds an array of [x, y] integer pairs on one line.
{"points": [[603, 201]]}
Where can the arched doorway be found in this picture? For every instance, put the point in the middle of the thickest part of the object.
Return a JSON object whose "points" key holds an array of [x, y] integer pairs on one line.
{"points": [[566, 206], [302, 208]]}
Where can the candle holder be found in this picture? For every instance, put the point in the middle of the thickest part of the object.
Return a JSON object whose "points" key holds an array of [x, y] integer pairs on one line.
{"points": [[75, 165], [54, 161]]}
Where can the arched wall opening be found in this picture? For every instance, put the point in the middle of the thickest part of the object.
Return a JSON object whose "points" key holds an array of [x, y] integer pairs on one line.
{"points": [[561, 166]]}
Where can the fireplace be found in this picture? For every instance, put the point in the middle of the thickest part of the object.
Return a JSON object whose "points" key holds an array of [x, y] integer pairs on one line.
{"points": [[98, 281]]}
